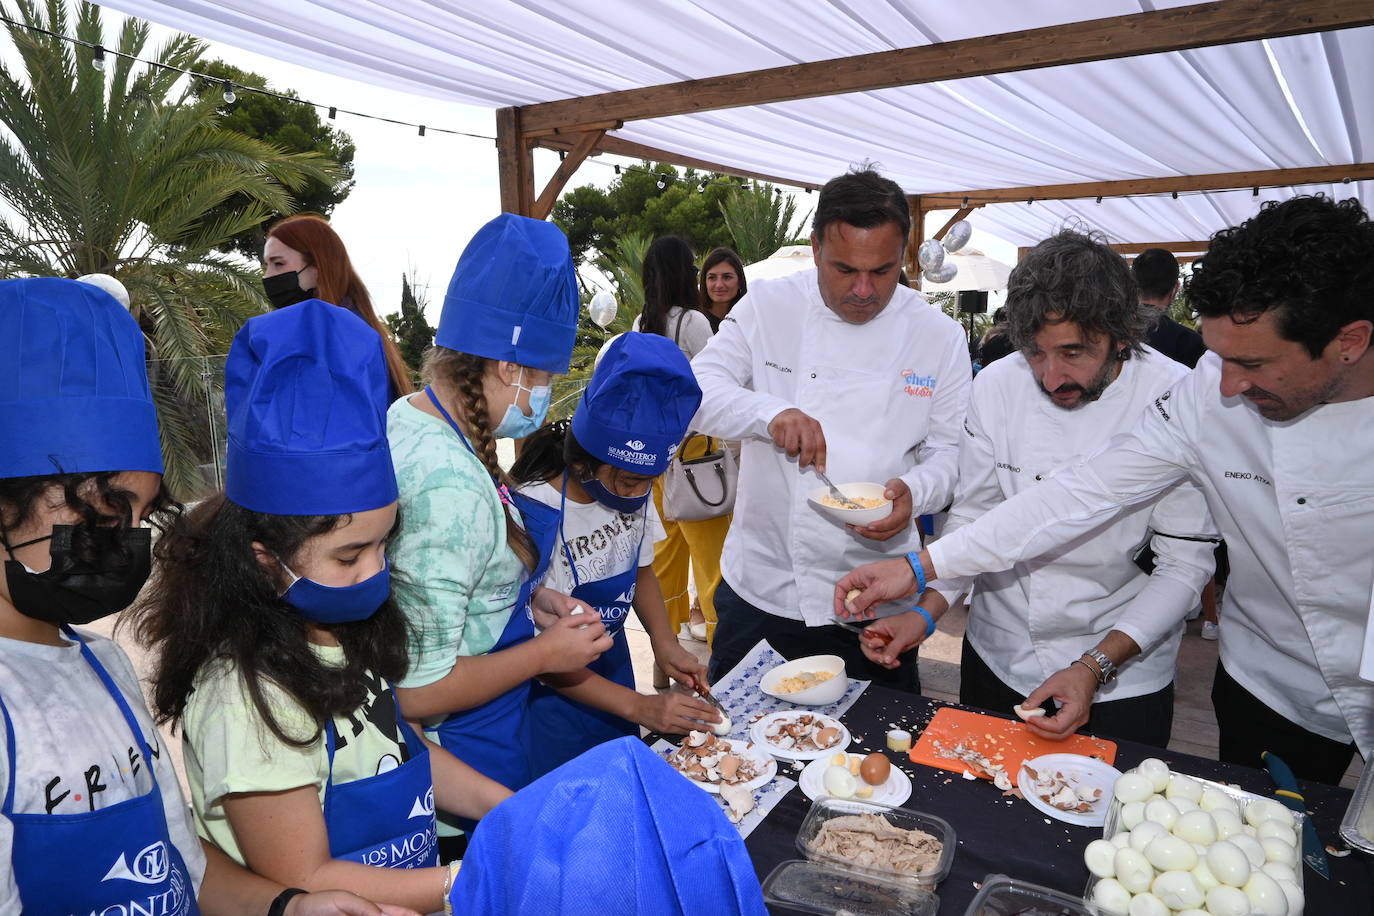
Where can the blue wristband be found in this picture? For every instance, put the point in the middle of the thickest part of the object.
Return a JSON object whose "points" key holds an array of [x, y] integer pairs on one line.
{"points": [[930, 621], [915, 560]]}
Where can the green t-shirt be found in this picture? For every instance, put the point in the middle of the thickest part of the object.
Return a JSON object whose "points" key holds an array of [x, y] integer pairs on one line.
{"points": [[229, 749], [461, 577]]}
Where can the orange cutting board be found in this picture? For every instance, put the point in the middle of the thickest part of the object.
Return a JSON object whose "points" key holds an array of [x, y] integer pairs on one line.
{"points": [[991, 737]]}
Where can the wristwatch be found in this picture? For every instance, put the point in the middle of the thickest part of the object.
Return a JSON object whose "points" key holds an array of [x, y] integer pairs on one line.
{"points": [[1106, 668]]}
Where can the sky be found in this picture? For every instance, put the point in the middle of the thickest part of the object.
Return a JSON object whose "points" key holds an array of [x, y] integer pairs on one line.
{"points": [[417, 200]]}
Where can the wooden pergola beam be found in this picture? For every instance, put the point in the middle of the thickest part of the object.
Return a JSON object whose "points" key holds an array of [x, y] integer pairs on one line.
{"points": [[1177, 29], [1219, 181], [586, 142], [1184, 249], [621, 147]]}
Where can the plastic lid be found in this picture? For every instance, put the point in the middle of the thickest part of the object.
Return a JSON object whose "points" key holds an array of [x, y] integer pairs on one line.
{"points": [[1003, 896], [812, 887]]}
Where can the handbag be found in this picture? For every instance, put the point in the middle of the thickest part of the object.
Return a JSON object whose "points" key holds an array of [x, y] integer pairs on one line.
{"points": [[700, 488]]}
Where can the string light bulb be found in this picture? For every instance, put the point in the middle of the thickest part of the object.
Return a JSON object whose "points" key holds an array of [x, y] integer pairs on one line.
{"points": [[98, 58], [333, 112], [229, 96], [422, 130], [662, 184]]}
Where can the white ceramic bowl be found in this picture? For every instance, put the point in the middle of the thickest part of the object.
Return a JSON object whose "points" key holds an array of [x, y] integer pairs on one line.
{"points": [[859, 517], [823, 694]]}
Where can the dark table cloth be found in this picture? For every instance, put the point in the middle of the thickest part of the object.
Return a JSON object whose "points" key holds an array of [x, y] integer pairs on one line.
{"points": [[1008, 836]]}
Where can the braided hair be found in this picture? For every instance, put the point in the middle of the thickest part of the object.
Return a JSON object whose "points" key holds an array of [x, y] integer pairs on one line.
{"points": [[464, 373]]}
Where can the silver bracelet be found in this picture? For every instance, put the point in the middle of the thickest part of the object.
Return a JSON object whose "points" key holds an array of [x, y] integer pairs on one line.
{"points": [[1105, 666]]}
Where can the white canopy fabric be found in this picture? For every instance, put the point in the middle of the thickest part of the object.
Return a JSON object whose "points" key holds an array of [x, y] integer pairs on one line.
{"points": [[1285, 103]]}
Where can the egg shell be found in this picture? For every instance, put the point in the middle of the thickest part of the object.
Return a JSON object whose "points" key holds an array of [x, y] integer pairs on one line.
{"points": [[1276, 850], [1205, 879], [1147, 904], [1111, 897], [1251, 847], [1228, 823], [1228, 863], [1145, 833], [1132, 813], [1132, 787], [1196, 827], [1265, 895], [839, 782], [1156, 770], [1181, 786], [1280, 872], [1214, 799], [1264, 809], [1294, 894], [1100, 857], [1162, 813], [1276, 830], [1133, 870], [875, 769], [1178, 889], [1169, 853], [1224, 900]]}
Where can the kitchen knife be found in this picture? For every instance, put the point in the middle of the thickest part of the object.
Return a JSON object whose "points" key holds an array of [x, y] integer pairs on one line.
{"points": [[1287, 794]]}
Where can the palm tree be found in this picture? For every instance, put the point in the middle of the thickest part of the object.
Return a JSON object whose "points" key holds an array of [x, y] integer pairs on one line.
{"points": [[759, 221], [113, 170]]}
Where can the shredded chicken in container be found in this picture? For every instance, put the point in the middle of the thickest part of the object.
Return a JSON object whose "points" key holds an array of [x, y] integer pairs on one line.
{"points": [[870, 841]]}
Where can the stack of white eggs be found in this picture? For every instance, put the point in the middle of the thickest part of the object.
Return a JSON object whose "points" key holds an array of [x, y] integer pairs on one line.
{"points": [[1189, 849]]}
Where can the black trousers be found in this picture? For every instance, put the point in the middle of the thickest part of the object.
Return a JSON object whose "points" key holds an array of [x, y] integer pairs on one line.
{"points": [[740, 625], [1249, 728], [1147, 719]]}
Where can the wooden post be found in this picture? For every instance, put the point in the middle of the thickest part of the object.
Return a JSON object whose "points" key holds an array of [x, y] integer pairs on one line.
{"points": [[579, 153], [918, 228], [515, 163], [949, 224]]}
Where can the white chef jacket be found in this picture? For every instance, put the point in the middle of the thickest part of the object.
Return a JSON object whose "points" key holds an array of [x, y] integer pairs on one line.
{"points": [[890, 397], [1029, 621], [1294, 501]]}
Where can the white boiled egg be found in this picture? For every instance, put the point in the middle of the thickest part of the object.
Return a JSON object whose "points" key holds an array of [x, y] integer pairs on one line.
{"points": [[1133, 870], [1169, 853], [1265, 895], [1132, 813], [1100, 857], [839, 782], [1228, 863], [1277, 830], [1251, 847], [1205, 879], [1265, 809], [1144, 833], [1280, 872], [1157, 771], [1122, 840], [1196, 827], [1147, 904], [1224, 900], [1294, 895], [1178, 890], [1111, 897], [1132, 787], [1161, 812], [1228, 823], [1181, 786], [1276, 850], [1213, 799]]}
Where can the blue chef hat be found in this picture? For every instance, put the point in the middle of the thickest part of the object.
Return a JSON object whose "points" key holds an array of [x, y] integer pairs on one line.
{"points": [[305, 392], [74, 395], [513, 295], [640, 401]]}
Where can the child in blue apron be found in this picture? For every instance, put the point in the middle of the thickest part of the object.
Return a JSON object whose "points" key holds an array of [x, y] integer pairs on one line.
{"points": [[598, 472], [92, 819], [276, 636], [474, 553]]}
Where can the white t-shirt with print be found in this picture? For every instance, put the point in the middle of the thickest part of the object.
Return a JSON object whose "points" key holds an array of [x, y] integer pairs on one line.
{"points": [[74, 752]]}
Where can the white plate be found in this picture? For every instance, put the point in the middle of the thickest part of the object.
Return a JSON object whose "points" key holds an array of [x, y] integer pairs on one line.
{"points": [[768, 767], [1079, 771], [896, 790], [760, 728]]}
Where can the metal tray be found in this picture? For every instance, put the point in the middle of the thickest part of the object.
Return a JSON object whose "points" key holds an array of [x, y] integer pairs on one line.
{"points": [[1357, 827]]}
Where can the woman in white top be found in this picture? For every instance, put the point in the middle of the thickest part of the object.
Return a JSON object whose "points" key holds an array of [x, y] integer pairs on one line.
{"points": [[671, 309]]}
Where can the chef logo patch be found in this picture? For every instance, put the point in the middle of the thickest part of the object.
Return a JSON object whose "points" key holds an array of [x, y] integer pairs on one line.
{"points": [[149, 866], [916, 385]]}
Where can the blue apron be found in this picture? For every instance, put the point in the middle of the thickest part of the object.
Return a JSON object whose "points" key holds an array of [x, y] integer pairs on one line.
{"points": [[386, 820], [117, 859], [494, 738], [566, 727]]}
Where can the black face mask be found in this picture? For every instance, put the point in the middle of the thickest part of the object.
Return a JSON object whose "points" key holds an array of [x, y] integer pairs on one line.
{"points": [[284, 289], [95, 572]]}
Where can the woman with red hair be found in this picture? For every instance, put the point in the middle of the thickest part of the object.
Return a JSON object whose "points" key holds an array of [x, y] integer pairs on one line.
{"points": [[304, 258]]}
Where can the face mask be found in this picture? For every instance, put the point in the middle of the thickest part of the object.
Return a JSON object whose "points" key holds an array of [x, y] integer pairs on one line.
{"points": [[284, 289], [95, 572], [347, 604], [515, 425], [613, 501]]}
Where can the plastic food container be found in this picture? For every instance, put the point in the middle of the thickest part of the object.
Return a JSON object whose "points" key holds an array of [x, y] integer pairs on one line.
{"points": [[812, 887], [1003, 896], [825, 808], [1357, 827], [823, 694], [858, 517]]}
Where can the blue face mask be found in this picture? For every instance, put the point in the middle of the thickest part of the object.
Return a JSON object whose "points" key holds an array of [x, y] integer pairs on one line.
{"points": [[515, 425], [328, 605], [627, 504]]}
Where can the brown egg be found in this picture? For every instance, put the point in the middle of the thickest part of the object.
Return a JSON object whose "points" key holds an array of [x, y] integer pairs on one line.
{"points": [[875, 769]]}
